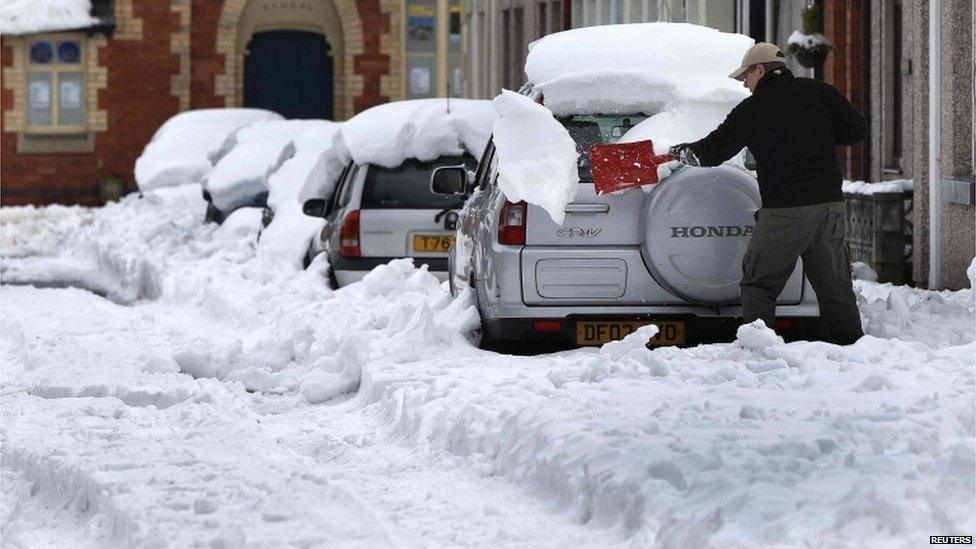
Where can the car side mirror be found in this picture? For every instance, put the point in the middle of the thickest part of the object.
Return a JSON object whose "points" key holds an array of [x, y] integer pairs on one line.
{"points": [[449, 180], [314, 207]]}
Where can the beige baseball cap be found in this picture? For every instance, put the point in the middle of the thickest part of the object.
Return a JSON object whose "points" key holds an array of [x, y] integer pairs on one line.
{"points": [[763, 52]]}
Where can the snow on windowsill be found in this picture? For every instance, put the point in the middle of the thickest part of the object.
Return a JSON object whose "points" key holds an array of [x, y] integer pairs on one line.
{"points": [[893, 186]]}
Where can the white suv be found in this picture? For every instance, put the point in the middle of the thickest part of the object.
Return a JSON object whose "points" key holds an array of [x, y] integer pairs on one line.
{"points": [[671, 257], [377, 214]]}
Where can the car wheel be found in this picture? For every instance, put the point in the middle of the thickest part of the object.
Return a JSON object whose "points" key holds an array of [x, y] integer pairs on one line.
{"points": [[333, 281]]}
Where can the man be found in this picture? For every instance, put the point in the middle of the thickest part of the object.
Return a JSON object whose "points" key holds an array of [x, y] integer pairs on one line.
{"points": [[791, 126]]}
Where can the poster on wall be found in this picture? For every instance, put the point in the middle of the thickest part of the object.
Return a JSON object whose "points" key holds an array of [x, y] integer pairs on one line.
{"points": [[419, 80], [420, 22], [40, 94]]}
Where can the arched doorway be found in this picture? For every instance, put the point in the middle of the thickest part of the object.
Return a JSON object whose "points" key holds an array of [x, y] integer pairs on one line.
{"points": [[290, 72]]}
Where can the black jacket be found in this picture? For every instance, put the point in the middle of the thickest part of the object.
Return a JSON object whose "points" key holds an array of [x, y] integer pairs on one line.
{"points": [[792, 126]]}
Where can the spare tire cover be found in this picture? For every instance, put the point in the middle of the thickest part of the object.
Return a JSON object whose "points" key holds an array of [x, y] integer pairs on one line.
{"points": [[697, 226]]}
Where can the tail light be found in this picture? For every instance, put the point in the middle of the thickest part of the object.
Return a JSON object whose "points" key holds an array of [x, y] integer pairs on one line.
{"points": [[547, 326], [783, 325], [511, 223], [349, 235]]}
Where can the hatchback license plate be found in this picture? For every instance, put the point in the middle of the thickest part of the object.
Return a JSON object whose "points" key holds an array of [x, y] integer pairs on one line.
{"points": [[432, 242], [599, 332]]}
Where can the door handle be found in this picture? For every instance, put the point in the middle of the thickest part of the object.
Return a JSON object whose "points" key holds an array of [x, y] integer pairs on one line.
{"points": [[578, 207]]}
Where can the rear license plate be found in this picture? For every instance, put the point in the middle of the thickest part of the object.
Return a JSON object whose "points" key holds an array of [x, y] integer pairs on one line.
{"points": [[599, 332], [432, 242]]}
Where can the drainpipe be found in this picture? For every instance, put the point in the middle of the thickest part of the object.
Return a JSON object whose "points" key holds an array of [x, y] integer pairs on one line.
{"points": [[866, 85], [769, 22], [614, 12], [935, 144]]}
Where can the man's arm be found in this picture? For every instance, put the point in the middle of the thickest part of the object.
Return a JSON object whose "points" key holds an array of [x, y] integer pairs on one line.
{"points": [[849, 124], [725, 140]]}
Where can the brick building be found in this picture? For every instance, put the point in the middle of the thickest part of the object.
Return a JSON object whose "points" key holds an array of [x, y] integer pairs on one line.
{"points": [[80, 103]]}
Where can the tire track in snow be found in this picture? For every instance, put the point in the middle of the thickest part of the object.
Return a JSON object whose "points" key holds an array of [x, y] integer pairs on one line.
{"points": [[428, 498]]}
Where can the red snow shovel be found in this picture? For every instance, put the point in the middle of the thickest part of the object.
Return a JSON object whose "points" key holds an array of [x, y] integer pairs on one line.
{"points": [[625, 165]]}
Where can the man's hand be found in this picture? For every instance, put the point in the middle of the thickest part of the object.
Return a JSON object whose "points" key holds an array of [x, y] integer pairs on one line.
{"points": [[684, 153]]}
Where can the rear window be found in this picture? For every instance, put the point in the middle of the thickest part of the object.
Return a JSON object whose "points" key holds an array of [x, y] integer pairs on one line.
{"points": [[597, 129], [407, 186]]}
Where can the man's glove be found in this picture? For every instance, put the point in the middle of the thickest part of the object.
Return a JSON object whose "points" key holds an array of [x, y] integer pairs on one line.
{"points": [[685, 154]]}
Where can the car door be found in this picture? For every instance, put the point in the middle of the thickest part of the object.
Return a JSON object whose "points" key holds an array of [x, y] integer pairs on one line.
{"points": [[474, 210]]}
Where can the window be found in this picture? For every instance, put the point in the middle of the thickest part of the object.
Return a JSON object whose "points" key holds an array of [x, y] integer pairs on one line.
{"points": [[481, 176], [56, 84], [407, 187], [593, 129]]}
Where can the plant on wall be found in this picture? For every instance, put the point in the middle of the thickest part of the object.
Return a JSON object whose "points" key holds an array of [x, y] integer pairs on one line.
{"points": [[809, 46]]}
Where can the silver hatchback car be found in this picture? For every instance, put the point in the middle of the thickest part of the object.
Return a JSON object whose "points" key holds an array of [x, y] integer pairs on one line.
{"points": [[671, 257], [377, 214]]}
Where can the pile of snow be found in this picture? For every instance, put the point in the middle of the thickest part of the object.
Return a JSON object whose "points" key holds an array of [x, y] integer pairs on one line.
{"points": [[180, 150], [894, 186], [644, 67], [32, 16], [251, 154], [683, 124], [536, 155], [423, 129], [312, 165]]}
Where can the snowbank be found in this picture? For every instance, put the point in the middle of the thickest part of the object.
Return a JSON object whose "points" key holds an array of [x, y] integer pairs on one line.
{"points": [[536, 155], [313, 165], [32, 16], [424, 129], [254, 153], [180, 150], [645, 67]]}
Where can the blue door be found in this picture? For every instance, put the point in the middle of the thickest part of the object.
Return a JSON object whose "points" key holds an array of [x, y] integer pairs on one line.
{"points": [[290, 73]]}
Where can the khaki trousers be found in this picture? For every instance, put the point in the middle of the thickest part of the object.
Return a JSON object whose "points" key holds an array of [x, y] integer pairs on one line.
{"points": [[815, 233]]}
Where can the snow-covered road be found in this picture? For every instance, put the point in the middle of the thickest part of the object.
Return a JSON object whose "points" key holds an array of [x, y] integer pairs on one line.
{"points": [[146, 456], [217, 397]]}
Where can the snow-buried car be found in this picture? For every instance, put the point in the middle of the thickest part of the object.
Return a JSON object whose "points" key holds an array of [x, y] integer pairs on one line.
{"points": [[382, 207], [593, 268]]}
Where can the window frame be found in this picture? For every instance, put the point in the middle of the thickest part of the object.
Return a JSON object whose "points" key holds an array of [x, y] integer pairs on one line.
{"points": [[56, 69]]}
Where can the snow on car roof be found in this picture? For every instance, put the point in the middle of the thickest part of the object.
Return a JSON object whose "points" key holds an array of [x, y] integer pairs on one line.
{"points": [[642, 67], [424, 129], [258, 150], [179, 152], [29, 16]]}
